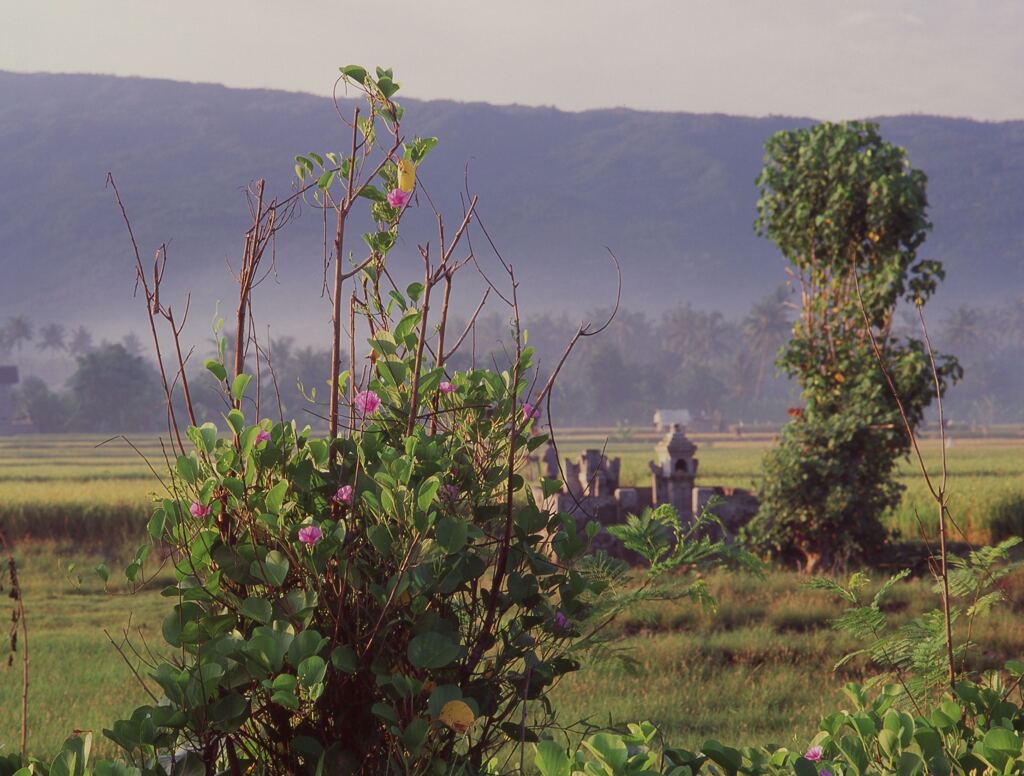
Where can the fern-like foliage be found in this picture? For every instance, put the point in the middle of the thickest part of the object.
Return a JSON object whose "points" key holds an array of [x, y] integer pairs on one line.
{"points": [[915, 654], [666, 543]]}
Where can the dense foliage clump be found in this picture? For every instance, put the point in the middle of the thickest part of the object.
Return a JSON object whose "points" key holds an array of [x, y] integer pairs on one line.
{"points": [[388, 597], [848, 212]]}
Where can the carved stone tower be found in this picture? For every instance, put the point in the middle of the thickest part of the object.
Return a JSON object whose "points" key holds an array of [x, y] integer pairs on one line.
{"points": [[674, 472]]}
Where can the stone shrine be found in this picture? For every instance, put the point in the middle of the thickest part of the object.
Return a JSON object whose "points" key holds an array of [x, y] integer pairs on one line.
{"points": [[591, 489]]}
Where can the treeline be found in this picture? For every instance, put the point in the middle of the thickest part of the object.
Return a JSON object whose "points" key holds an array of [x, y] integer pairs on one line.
{"points": [[715, 367]]}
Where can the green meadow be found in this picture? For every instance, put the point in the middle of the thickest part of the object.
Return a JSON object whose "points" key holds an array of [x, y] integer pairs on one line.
{"points": [[758, 668]]}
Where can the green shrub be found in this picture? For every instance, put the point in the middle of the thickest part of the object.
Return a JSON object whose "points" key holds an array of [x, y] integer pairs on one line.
{"points": [[978, 730], [388, 598], [849, 214]]}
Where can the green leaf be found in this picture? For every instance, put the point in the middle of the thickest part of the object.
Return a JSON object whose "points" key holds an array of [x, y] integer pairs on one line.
{"points": [[611, 749], [238, 386], [355, 72], [217, 369], [286, 698], [343, 658], [324, 181], [432, 650], [187, 468], [427, 494], [380, 538], [73, 757], [373, 193], [550, 760], [307, 644], [385, 712], [275, 497], [804, 767], [237, 420], [272, 570], [258, 609], [387, 86], [312, 671], [1003, 740], [451, 534], [550, 486]]}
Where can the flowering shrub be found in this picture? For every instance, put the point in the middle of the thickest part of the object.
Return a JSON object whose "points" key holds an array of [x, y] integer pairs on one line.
{"points": [[388, 597]]}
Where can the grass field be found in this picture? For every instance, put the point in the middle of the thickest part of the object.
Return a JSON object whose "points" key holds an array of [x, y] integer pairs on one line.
{"points": [[758, 670], [69, 488]]}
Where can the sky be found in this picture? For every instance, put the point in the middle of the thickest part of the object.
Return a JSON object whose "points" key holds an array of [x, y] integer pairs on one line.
{"points": [[827, 59]]}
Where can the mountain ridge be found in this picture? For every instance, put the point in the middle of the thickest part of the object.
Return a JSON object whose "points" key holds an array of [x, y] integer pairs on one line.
{"points": [[671, 193]]}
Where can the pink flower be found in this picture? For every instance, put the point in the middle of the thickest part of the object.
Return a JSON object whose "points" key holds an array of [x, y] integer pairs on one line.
{"points": [[198, 510], [813, 754], [449, 493], [530, 412], [446, 387], [561, 621], [263, 436], [310, 534], [367, 402], [343, 496], [824, 772], [398, 198]]}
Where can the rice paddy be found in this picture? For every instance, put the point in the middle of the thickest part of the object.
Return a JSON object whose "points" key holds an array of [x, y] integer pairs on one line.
{"points": [[758, 669]]}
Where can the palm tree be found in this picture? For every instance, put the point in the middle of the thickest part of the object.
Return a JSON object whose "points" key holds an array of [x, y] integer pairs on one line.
{"points": [[80, 342], [964, 326], [51, 337], [695, 335], [766, 327], [18, 331]]}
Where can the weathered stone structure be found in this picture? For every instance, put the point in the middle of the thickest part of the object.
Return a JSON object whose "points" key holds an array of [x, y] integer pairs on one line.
{"points": [[592, 491], [8, 379]]}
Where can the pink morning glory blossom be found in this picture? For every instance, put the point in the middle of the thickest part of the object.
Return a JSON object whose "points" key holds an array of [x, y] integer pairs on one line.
{"points": [[310, 534], [561, 621], [398, 198], [824, 772], [199, 510], [343, 496], [449, 493], [367, 402], [813, 754], [446, 387], [530, 412], [263, 436]]}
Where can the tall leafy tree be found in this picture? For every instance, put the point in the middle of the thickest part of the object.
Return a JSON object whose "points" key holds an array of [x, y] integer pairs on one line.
{"points": [[849, 214], [114, 391]]}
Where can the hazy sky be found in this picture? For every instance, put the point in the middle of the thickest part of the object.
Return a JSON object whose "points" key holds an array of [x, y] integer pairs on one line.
{"points": [[821, 58]]}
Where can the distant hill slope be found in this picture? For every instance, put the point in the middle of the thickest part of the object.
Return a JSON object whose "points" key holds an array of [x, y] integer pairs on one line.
{"points": [[673, 194]]}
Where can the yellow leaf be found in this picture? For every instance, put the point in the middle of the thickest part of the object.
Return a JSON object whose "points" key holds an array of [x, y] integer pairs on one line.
{"points": [[406, 175], [840, 378], [457, 715]]}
